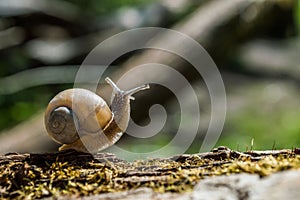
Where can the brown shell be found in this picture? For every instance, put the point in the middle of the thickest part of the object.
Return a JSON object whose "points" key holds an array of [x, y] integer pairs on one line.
{"points": [[91, 110]]}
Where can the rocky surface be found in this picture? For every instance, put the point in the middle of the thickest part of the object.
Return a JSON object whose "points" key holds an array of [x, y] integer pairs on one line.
{"points": [[281, 185]]}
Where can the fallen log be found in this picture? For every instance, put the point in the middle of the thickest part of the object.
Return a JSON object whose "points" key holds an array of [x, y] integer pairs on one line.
{"points": [[71, 174]]}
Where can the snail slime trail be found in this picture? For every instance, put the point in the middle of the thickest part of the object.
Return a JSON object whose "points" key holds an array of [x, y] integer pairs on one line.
{"points": [[91, 115]]}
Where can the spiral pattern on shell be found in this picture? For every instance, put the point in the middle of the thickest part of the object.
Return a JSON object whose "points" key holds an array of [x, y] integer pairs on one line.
{"points": [[62, 125]]}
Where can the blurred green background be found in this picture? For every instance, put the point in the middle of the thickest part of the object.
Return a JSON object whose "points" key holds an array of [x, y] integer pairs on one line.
{"points": [[258, 55]]}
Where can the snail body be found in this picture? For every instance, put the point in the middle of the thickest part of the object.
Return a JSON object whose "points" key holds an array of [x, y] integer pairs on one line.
{"points": [[81, 120]]}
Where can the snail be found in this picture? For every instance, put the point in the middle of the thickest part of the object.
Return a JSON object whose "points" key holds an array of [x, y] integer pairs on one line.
{"points": [[81, 120]]}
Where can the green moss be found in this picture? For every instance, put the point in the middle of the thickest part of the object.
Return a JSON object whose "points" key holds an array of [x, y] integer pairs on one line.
{"points": [[43, 179]]}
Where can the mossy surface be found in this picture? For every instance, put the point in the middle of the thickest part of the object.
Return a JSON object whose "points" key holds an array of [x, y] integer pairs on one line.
{"points": [[70, 173]]}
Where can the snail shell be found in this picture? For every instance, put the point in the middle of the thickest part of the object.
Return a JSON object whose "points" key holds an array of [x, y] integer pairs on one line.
{"points": [[81, 120]]}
